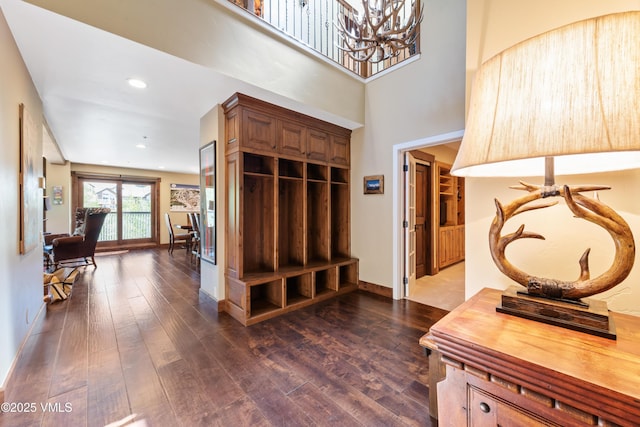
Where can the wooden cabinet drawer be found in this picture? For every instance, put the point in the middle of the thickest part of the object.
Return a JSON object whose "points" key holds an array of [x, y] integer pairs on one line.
{"points": [[485, 410]]}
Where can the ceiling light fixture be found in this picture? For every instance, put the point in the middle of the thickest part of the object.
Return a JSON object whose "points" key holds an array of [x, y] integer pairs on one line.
{"points": [[380, 31], [137, 83], [141, 146]]}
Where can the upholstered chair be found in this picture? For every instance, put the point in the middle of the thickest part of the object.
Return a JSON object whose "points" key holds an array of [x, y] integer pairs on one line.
{"points": [[79, 248]]}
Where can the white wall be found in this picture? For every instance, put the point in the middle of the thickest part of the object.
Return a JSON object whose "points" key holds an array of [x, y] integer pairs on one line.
{"points": [[59, 216], [20, 275], [494, 25], [422, 99], [212, 275]]}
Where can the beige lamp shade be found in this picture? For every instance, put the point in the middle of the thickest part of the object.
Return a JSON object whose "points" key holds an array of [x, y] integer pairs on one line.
{"points": [[572, 93]]}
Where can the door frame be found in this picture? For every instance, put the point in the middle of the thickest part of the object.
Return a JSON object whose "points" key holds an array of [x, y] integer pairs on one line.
{"points": [[398, 204], [76, 176]]}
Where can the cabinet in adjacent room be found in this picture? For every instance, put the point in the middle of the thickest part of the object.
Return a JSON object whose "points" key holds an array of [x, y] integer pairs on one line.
{"points": [[288, 209], [450, 214]]}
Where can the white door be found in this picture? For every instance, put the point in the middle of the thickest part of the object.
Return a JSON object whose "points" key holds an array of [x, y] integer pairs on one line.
{"points": [[409, 224]]}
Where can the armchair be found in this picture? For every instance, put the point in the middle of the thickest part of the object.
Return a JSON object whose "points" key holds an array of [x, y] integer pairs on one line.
{"points": [[80, 247]]}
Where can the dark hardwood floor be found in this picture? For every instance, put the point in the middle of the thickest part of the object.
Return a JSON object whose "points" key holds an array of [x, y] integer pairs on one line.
{"points": [[136, 337]]}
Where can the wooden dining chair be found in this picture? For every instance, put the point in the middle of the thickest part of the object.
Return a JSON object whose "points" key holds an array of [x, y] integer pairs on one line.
{"points": [[173, 236], [194, 218]]}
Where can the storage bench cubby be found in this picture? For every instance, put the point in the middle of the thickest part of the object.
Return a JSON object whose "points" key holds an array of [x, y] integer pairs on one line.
{"points": [[265, 297], [348, 275], [271, 294], [299, 288], [326, 281], [288, 214]]}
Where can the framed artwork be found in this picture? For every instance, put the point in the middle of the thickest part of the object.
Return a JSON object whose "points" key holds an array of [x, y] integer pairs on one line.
{"points": [[184, 198], [30, 193], [374, 184], [57, 194], [208, 202]]}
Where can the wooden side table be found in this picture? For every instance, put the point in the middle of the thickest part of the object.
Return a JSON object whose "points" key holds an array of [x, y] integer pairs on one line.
{"points": [[506, 370]]}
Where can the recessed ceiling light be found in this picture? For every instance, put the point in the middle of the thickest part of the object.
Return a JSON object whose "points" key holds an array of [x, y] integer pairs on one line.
{"points": [[137, 83], [141, 146], [160, 167]]}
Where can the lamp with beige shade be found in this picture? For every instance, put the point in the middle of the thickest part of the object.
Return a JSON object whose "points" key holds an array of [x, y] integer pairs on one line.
{"points": [[566, 101]]}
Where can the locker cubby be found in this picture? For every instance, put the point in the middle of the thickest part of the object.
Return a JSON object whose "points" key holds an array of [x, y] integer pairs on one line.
{"points": [[348, 275], [290, 223], [317, 221], [256, 164], [339, 175], [299, 288], [339, 221], [258, 238], [325, 281], [265, 297], [290, 169], [316, 172]]}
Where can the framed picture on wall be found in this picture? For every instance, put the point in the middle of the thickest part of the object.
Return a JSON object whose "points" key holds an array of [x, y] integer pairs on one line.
{"points": [[208, 202], [57, 194], [30, 193], [184, 198], [374, 184]]}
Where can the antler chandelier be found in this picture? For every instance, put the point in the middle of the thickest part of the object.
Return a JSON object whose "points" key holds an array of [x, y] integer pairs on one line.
{"points": [[383, 31]]}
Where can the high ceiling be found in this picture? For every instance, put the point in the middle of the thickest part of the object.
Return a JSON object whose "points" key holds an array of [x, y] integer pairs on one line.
{"points": [[81, 75]]}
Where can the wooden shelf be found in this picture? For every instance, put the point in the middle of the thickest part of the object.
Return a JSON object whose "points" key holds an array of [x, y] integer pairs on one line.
{"points": [[326, 281], [288, 193], [265, 298], [290, 169], [258, 165], [299, 288], [450, 213], [317, 173], [339, 175]]}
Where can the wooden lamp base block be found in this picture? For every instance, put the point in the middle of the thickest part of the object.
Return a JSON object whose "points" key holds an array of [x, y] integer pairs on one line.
{"points": [[588, 316]]}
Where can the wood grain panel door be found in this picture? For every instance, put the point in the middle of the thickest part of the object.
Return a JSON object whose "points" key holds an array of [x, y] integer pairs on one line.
{"points": [[422, 224]]}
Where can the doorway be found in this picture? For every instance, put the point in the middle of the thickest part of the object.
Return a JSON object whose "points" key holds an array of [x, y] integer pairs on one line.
{"points": [[438, 227], [402, 239], [132, 221]]}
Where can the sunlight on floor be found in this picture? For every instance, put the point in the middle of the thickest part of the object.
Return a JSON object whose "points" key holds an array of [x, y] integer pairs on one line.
{"points": [[444, 290]]}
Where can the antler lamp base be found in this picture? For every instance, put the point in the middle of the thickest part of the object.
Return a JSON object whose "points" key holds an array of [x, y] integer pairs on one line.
{"points": [[587, 315]]}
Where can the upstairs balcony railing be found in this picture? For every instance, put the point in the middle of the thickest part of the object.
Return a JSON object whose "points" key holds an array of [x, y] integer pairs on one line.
{"points": [[313, 23]]}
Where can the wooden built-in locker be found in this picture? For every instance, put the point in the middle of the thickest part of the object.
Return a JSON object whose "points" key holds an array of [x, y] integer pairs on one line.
{"points": [[287, 224]]}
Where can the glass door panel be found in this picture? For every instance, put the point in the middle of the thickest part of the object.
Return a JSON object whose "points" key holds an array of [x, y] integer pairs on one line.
{"points": [[103, 194], [136, 211]]}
